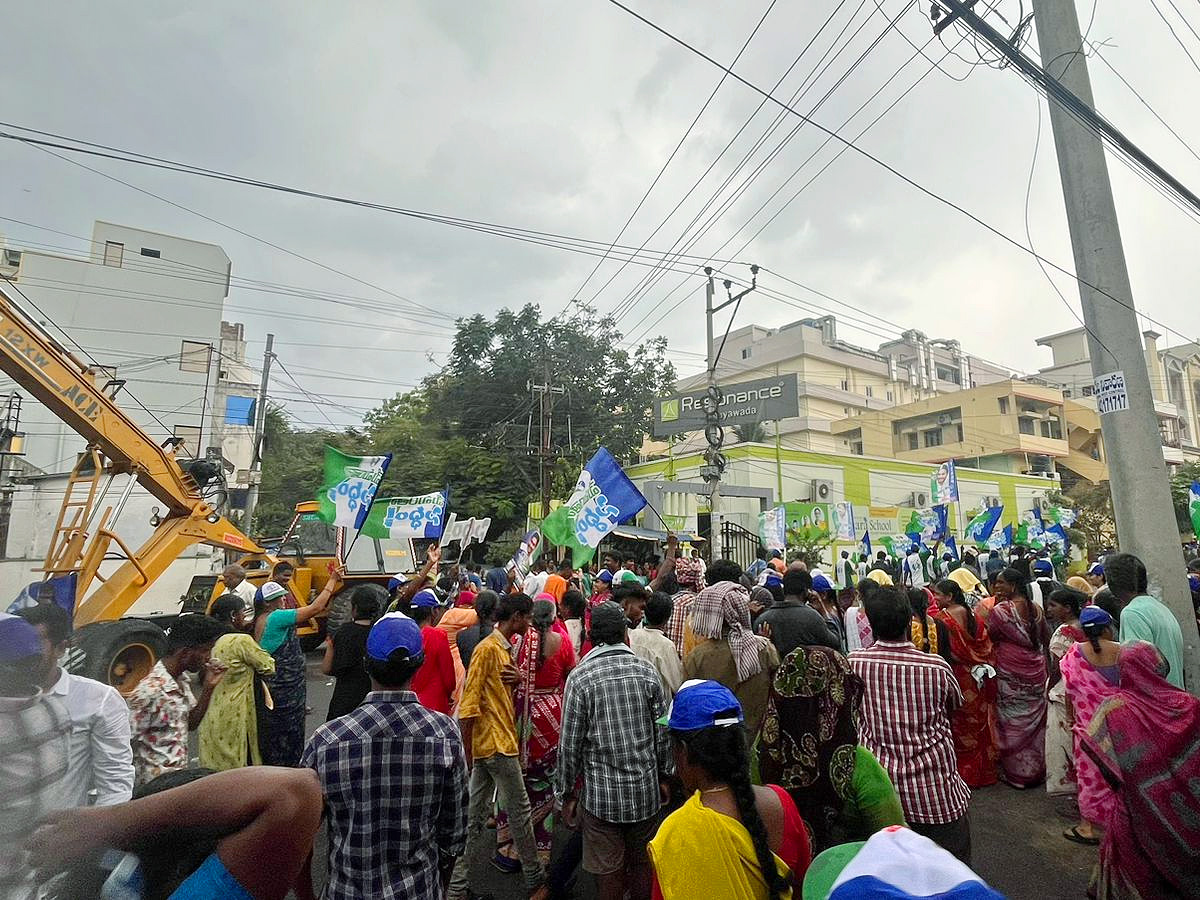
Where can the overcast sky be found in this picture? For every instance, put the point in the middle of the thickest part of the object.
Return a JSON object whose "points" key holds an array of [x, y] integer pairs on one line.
{"points": [[556, 117]]}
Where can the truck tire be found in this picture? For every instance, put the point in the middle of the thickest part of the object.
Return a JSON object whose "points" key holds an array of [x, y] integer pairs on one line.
{"points": [[119, 653], [340, 610]]}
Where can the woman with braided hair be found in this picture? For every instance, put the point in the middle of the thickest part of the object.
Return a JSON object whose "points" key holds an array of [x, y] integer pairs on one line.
{"points": [[730, 839]]}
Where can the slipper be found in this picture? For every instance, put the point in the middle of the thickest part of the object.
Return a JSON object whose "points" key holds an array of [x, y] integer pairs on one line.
{"points": [[1072, 834], [506, 865]]}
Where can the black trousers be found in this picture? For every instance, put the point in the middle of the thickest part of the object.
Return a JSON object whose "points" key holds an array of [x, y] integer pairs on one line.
{"points": [[952, 836]]}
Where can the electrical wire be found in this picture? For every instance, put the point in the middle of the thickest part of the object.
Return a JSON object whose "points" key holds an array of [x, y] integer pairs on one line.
{"points": [[662, 170], [876, 160]]}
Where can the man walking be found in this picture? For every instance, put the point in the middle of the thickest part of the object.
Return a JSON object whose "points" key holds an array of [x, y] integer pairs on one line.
{"points": [[1143, 617], [35, 733], [489, 736], [907, 700], [100, 755], [791, 622], [394, 778], [611, 740], [162, 708], [651, 644]]}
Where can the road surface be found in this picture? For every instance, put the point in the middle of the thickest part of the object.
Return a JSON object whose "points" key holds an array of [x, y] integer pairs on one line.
{"points": [[1017, 836]]}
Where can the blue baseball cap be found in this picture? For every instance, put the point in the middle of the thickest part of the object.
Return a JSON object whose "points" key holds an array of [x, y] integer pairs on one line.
{"points": [[773, 580], [393, 632], [396, 581], [605, 576], [1094, 615], [426, 598], [703, 704], [821, 584], [1043, 567], [18, 639], [1096, 569]]}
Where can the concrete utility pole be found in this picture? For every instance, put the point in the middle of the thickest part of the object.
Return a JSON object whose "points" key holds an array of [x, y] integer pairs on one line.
{"points": [[1133, 446], [546, 394], [260, 425]]}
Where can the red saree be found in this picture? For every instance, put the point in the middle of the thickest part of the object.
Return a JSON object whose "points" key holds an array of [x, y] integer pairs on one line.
{"points": [[973, 723]]}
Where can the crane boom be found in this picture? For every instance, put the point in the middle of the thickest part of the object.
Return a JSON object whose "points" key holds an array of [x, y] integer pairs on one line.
{"points": [[66, 386]]}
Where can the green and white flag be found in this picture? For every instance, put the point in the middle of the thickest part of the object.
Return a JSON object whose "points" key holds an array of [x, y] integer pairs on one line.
{"points": [[349, 489], [1194, 507]]}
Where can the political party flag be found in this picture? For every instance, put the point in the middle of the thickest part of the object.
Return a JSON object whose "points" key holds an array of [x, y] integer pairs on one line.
{"points": [[897, 545], [603, 498], [952, 547], [1059, 515], [529, 550], [771, 527], [1194, 507], [407, 517], [1058, 534], [349, 488], [943, 485], [866, 544], [465, 531], [1001, 539], [941, 523], [980, 528]]}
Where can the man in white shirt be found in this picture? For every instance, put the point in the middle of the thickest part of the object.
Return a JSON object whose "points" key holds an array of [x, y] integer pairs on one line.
{"points": [[651, 644], [100, 757], [234, 578], [914, 569], [535, 581]]}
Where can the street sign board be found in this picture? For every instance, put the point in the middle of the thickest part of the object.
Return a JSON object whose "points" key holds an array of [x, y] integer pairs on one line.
{"points": [[761, 400]]}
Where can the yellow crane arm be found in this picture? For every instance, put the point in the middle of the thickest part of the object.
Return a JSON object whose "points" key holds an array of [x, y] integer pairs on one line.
{"points": [[66, 386]]}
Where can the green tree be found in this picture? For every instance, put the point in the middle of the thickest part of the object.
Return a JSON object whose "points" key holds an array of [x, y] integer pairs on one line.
{"points": [[292, 470], [1095, 525]]}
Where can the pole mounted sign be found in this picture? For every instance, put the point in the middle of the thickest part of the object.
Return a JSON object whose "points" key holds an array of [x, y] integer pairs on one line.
{"points": [[762, 400]]}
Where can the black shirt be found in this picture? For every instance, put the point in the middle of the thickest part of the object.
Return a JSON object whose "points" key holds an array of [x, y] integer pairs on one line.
{"points": [[353, 683], [794, 623], [468, 638]]}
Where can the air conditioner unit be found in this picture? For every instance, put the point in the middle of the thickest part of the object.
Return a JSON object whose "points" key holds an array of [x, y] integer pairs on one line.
{"points": [[944, 418], [918, 499], [12, 257], [821, 492]]}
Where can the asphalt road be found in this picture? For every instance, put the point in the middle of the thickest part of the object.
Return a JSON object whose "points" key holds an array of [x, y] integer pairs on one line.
{"points": [[1017, 836]]}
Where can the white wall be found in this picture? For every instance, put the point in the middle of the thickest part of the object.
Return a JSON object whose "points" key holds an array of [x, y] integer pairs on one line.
{"points": [[129, 317]]}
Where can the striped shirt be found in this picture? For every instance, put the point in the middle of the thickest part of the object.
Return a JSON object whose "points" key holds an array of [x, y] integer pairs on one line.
{"points": [[907, 699]]}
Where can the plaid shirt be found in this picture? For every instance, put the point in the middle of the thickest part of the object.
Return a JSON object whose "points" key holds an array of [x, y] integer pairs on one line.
{"points": [[35, 735], [395, 784], [680, 610], [907, 699], [610, 736]]}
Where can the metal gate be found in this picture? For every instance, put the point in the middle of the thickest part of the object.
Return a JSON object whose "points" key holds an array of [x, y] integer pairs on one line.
{"points": [[738, 543]]}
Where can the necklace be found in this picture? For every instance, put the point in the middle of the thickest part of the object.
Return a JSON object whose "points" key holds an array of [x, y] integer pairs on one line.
{"points": [[716, 790]]}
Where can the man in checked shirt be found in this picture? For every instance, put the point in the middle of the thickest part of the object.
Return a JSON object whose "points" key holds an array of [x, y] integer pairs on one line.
{"points": [[610, 738], [907, 700]]}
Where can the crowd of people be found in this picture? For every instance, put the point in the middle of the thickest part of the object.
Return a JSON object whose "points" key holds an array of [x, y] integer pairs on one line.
{"points": [[673, 729]]}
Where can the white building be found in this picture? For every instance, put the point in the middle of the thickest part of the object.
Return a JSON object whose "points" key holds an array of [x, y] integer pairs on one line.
{"points": [[1174, 382], [147, 308], [838, 379]]}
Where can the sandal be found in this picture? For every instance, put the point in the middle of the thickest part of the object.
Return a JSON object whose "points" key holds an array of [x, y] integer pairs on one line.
{"points": [[1072, 834], [506, 865]]}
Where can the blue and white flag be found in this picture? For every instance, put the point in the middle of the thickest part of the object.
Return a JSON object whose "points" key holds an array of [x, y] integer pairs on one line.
{"points": [[941, 524], [407, 517], [1059, 534], [603, 498], [943, 485], [980, 528], [1001, 539], [952, 547], [772, 527], [866, 544]]}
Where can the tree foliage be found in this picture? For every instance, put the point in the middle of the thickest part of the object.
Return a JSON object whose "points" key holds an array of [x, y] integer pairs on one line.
{"points": [[1095, 523], [469, 426]]}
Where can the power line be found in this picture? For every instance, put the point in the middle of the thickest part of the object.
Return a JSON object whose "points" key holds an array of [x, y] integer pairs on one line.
{"points": [[1171, 28], [879, 162], [667, 163]]}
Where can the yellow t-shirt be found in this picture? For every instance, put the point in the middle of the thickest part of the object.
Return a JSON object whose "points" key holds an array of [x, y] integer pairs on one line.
{"points": [[488, 701]]}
